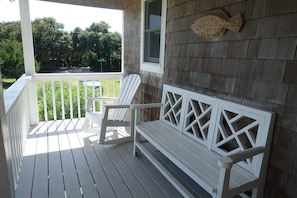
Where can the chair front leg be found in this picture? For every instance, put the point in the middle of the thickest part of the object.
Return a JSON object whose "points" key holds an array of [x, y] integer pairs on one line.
{"points": [[88, 109], [103, 125]]}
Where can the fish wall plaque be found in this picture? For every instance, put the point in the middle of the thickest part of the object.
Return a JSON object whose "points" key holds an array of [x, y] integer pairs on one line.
{"points": [[214, 24]]}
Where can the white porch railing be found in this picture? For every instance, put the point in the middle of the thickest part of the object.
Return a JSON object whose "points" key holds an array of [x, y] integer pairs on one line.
{"points": [[62, 96], [18, 120]]}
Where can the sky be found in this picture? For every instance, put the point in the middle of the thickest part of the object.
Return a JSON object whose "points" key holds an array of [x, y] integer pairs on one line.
{"points": [[71, 16]]}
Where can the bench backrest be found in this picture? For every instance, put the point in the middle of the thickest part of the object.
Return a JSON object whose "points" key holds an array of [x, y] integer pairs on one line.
{"points": [[221, 126]]}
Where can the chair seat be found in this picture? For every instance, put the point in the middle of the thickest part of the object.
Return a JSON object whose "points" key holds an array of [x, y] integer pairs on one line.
{"points": [[97, 117]]}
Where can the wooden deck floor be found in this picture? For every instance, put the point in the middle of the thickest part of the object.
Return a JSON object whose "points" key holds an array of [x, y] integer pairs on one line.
{"points": [[61, 160]]}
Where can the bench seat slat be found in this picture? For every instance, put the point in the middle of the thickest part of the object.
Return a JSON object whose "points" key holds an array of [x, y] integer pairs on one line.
{"points": [[197, 161]]}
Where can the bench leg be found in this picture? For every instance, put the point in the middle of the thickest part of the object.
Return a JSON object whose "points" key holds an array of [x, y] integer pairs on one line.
{"points": [[136, 151]]}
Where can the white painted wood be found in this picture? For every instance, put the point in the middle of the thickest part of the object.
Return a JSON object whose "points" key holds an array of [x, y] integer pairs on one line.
{"points": [[185, 114], [77, 78], [157, 68], [6, 172], [78, 100], [40, 175], [142, 176], [114, 115], [24, 188], [136, 189], [62, 99], [44, 101], [71, 180], [102, 182], [55, 173], [70, 98], [87, 183], [54, 100], [29, 60], [16, 106], [165, 173], [74, 154], [115, 179], [27, 37]]}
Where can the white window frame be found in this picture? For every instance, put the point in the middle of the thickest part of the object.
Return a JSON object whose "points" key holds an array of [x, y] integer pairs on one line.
{"points": [[149, 66]]}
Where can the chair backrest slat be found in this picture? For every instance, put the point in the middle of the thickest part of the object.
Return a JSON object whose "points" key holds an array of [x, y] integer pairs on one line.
{"points": [[128, 90]]}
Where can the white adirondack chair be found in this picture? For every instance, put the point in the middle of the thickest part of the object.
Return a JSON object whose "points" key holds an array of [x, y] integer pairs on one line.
{"points": [[113, 119]]}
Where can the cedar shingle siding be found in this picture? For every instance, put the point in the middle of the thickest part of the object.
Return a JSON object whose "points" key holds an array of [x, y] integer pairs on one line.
{"points": [[256, 67]]}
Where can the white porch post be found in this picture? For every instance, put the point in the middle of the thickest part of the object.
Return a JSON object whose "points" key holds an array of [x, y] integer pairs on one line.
{"points": [[27, 40]]}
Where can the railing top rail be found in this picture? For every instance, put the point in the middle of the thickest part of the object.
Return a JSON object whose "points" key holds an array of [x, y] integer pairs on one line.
{"points": [[77, 76], [14, 91]]}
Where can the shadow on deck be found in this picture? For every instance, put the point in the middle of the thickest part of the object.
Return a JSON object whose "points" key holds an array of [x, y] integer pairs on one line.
{"points": [[61, 160]]}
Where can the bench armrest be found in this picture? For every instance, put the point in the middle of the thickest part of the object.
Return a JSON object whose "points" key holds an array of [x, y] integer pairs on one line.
{"points": [[228, 161], [146, 106]]}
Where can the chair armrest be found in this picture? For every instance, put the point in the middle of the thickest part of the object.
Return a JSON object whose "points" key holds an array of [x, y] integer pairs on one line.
{"points": [[146, 106], [117, 106], [228, 161], [99, 99], [136, 108]]}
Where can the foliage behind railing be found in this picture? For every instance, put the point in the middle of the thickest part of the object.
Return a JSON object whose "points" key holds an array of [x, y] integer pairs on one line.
{"points": [[64, 98]]}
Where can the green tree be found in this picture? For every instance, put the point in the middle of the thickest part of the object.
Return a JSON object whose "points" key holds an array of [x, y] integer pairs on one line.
{"points": [[12, 54], [48, 39], [55, 47], [106, 45], [11, 31], [11, 50]]}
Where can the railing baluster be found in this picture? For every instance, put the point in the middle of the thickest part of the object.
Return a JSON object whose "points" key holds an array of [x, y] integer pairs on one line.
{"points": [[12, 130], [70, 99], [54, 100], [62, 99], [18, 122], [93, 95], [101, 91], [114, 88], [44, 101], [90, 86], [78, 100], [107, 88], [86, 90]]}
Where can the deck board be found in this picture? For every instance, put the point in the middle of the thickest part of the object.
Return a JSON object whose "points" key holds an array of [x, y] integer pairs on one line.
{"points": [[61, 160], [131, 181], [151, 187], [87, 183], [40, 179], [56, 183]]}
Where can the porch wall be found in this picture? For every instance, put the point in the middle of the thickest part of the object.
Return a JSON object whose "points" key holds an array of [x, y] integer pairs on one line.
{"points": [[256, 67]]}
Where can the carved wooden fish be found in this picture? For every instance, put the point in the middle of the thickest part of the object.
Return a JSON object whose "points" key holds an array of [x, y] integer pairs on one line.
{"points": [[214, 24]]}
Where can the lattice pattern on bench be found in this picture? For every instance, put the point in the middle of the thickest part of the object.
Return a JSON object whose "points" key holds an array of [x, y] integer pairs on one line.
{"points": [[172, 108], [197, 120], [236, 132]]}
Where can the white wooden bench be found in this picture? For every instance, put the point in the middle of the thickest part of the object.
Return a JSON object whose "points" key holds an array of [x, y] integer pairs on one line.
{"points": [[222, 146]]}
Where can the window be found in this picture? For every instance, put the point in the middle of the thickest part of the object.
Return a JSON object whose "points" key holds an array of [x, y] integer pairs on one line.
{"points": [[153, 35]]}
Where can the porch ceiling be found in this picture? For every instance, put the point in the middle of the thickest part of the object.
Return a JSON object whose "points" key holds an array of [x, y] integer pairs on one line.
{"points": [[110, 4]]}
